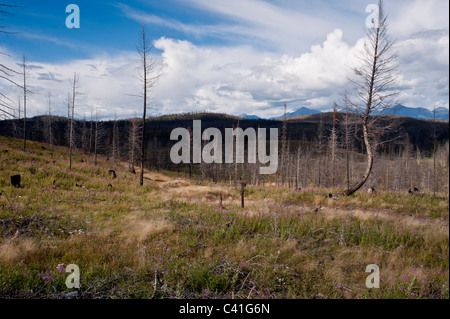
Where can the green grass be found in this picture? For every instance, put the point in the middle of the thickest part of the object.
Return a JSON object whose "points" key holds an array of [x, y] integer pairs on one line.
{"points": [[120, 237]]}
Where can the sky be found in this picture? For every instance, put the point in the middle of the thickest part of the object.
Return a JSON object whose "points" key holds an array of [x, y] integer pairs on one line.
{"points": [[233, 56]]}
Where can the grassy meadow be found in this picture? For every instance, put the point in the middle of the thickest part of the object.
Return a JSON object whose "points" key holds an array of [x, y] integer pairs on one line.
{"points": [[173, 239]]}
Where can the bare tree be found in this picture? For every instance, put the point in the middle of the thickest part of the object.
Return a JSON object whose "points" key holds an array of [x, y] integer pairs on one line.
{"points": [[6, 107], [6, 73], [113, 140], [288, 165], [297, 175], [84, 136], [373, 77], [96, 137], [148, 80], [5, 11], [11, 108], [133, 141], [320, 134], [333, 146], [90, 134], [25, 73], [283, 167], [49, 120], [347, 131], [19, 101], [68, 101], [434, 152], [235, 139], [74, 84]]}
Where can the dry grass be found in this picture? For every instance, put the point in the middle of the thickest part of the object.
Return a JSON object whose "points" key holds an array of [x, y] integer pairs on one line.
{"points": [[137, 228], [283, 244], [14, 249], [422, 225]]}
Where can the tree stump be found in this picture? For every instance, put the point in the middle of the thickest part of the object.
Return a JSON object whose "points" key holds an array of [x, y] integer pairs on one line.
{"points": [[113, 173], [242, 193], [15, 181]]}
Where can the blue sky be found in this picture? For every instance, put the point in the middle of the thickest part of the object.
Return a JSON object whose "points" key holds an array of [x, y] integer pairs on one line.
{"points": [[234, 56], [108, 26]]}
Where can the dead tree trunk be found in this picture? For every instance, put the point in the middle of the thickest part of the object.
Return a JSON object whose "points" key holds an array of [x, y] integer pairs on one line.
{"points": [[434, 153], [96, 138], [25, 68], [74, 94], [369, 161], [242, 193], [374, 76], [147, 82]]}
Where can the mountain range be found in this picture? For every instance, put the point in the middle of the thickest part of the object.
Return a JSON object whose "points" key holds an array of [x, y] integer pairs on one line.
{"points": [[249, 117], [301, 111], [442, 113], [417, 113]]}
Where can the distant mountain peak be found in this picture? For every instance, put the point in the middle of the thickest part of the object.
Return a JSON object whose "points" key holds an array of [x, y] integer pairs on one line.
{"points": [[249, 117], [299, 112]]}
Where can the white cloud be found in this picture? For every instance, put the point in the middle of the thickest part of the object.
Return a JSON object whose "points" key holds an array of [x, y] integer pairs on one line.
{"points": [[105, 82], [424, 67], [219, 78], [242, 78], [409, 17], [146, 18], [193, 78], [288, 27]]}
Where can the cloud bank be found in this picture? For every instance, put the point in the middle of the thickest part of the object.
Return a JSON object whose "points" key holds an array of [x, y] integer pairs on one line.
{"points": [[243, 77]]}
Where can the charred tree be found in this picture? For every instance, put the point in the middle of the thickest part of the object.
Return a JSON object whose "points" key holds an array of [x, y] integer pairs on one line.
{"points": [[373, 77]]}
